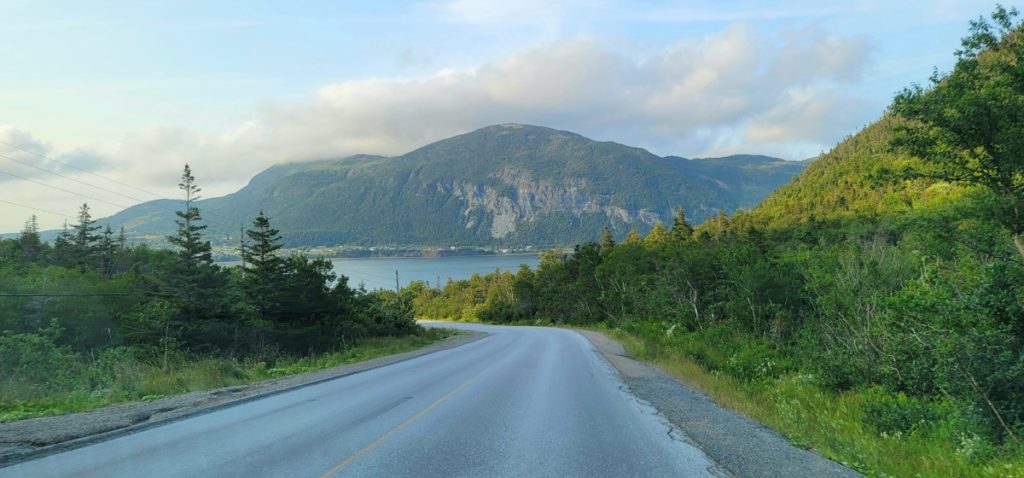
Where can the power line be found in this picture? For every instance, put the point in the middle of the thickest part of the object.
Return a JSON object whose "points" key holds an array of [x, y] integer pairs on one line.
{"points": [[71, 179], [41, 155], [62, 189], [35, 208], [93, 186]]}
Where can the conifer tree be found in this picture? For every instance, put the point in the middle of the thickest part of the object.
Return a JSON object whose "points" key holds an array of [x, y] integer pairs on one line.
{"points": [[29, 244], [84, 240], [265, 270], [122, 240], [195, 279], [681, 228], [107, 248], [659, 234], [632, 237], [63, 254], [192, 249], [607, 240]]}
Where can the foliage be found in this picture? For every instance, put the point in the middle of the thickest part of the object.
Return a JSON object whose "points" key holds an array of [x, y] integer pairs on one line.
{"points": [[89, 320], [873, 314]]}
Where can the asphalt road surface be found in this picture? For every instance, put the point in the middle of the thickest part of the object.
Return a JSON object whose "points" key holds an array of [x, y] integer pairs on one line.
{"points": [[522, 401]]}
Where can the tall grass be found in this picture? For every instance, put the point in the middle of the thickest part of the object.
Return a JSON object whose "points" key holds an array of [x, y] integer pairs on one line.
{"points": [[120, 375], [834, 424]]}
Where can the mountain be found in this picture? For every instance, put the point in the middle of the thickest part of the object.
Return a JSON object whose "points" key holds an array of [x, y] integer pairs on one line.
{"points": [[507, 184], [850, 181]]}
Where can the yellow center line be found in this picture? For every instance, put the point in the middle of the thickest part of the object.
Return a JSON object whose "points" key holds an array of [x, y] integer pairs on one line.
{"points": [[408, 421]]}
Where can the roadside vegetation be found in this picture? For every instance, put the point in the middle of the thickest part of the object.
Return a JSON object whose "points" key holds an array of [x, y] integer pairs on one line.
{"points": [[91, 320], [872, 309]]}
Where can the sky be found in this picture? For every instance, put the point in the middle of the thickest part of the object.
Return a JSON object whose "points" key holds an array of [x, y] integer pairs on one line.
{"points": [[115, 97]]}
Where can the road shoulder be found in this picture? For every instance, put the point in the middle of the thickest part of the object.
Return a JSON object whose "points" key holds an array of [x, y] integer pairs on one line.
{"points": [[29, 439], [739, 445]]}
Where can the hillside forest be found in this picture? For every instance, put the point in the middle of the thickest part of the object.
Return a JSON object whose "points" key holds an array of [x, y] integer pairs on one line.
{"points": [[872, 309]]}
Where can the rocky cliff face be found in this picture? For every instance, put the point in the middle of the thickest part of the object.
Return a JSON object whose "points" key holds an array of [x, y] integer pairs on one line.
{"points": [[519, 198]]}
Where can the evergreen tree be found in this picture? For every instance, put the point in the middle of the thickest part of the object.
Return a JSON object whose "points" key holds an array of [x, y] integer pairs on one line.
{"points": [[659, 234], [63, 253], [29, 245], [264, 269], [84, 240], [199, 284], [681, 228], [632, 237], [122, 240], [107, 248], [192, 249], [607, 239]]}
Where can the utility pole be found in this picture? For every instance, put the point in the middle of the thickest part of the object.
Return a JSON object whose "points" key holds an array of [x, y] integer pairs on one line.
{"points": [[397, 287]]}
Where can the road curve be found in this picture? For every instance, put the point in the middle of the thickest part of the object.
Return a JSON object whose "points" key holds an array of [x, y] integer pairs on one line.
{"points": [[523, 401]]}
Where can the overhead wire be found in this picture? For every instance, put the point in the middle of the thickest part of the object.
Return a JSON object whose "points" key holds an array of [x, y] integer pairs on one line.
{"points": [[231, 225]]}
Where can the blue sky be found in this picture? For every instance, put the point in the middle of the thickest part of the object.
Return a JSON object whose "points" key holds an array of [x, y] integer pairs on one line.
{"points": [[132, 90]]}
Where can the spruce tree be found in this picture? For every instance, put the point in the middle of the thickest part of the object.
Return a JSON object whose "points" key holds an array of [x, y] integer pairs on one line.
{"points": [[107, 248], [198, 283], [681, 228], [63, 254], [265, 271], [607, 239], [632, 237], [659, 234], [29, 245], [84, 240], [192, 249], [122, 240]]}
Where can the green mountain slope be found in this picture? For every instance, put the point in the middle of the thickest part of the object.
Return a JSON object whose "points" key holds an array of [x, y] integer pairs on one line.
{"points": [[500, 185], [854, 179]]}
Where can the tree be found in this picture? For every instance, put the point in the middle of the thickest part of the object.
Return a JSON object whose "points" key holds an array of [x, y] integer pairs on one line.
{"points": [[107, 248], [265, 270], [29, 245], [191, 247], [681, 229], [632, 237], [194, 279], [122, 240], [607, 240], [659, 234], [63, 253], [84, 240], [967, 126]]}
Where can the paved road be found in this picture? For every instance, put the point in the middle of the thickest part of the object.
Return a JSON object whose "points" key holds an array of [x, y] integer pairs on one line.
{"points": [[522, 401]]}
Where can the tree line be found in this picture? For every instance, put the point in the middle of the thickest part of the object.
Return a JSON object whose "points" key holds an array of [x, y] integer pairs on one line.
{"points": [[90, 293]]}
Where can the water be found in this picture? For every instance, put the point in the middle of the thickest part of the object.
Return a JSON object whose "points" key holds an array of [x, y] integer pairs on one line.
{"points": [[379, 273]]}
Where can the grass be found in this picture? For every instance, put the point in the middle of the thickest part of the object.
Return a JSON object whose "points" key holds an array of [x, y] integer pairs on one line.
{"points": [[127, 380], [832, 423]]}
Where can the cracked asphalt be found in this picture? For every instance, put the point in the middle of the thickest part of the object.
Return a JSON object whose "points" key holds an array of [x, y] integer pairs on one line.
{"points": [[522, 401]]}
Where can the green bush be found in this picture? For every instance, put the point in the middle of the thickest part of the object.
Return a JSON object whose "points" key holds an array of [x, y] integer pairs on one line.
{"points": [[897, 413], [31, 366]]}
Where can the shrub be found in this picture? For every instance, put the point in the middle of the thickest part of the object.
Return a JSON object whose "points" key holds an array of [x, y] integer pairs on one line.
{"points": [[897, 413], [31, 365]]}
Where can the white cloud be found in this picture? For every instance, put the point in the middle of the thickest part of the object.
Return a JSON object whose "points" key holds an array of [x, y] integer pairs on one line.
{"points": [[737, 90]]}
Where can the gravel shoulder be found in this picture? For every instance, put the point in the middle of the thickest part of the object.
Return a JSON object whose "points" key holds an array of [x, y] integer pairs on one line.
{"points": [[37, 437], [739, 445]]}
